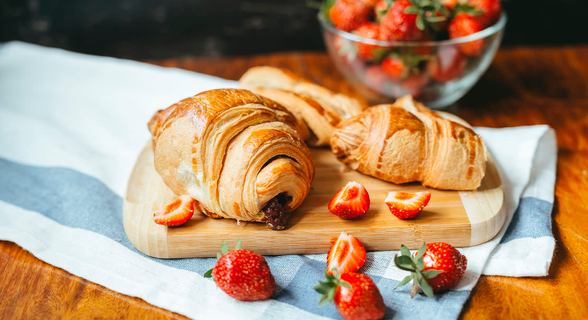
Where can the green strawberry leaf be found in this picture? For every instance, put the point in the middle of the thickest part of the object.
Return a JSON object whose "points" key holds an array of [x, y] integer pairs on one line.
{"points": [[323, 300], [404, 263], [208, 274], [426, 287], [238, 246], [411, 10], [435, 19], [404, 250], [218, 255], [428, 274], [224, 247], [419, 258], [328, 288], [403, 282], [320, 288], [419, 275], [420, 22], [345, 284]]}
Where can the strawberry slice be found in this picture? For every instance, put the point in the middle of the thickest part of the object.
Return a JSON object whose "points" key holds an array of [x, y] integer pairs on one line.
{"points": [[347, 254], [176, 213], [406, 205], [350, 202]]}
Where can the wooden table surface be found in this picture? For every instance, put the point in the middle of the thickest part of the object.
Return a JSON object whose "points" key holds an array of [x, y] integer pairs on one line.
{"points": [[524, 86]]}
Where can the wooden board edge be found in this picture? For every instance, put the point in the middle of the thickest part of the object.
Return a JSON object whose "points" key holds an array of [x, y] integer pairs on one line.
{"points": [[152, 242], [485, 208]]}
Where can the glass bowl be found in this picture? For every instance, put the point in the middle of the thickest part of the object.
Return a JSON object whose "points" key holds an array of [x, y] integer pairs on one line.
{"points": [[437, 73]]}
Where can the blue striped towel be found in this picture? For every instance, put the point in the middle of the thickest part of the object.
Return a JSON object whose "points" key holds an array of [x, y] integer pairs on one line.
{"points": [[71, 127]]}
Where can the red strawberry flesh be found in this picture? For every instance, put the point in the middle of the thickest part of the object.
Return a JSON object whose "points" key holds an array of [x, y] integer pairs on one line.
{"points": [[176, 213], [347, 254], [406, 205], [350, 202]]}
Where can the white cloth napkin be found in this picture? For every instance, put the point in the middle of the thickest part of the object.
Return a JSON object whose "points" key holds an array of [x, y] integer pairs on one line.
{"points": [[71, 127]]}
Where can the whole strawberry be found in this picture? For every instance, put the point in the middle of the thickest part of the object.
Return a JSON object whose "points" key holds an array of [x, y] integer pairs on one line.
{"points": [[490, 11], [463, 25], [436, 267], [348, 15], [397, 25], [368, 30], [242, 274], [443, 256], [394, 68], [356, 296]]}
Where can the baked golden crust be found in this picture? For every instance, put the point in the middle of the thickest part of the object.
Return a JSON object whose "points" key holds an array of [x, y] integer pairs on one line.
{"points": [[318, 107], [218, 146], [407, 142]]}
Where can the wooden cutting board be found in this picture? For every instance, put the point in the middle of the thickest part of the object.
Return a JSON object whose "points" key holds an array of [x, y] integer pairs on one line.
{"points": [[461, 218]]}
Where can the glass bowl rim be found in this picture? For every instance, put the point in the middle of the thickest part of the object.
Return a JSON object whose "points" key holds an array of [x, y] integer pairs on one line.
{"points": [[498, 26]]}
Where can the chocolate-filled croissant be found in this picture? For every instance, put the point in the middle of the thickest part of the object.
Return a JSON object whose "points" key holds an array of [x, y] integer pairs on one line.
{"points": [[407, 142], [237, 154]]}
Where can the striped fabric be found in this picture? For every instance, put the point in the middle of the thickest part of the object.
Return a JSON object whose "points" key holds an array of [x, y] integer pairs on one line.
{"points": [[71, 127]]}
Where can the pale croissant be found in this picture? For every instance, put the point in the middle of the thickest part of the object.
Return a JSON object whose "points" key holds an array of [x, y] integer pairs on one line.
{"points": [[237, 154], [407, 142], [319, 108]]}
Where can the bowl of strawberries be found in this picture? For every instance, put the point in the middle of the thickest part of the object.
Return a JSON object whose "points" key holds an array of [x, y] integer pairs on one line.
{"points": [[434, 50]]}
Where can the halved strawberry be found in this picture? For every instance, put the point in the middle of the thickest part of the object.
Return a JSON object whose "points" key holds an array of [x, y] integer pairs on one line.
{"points": [[350, 202], [406, 205], [347, 254], [175, 213]]}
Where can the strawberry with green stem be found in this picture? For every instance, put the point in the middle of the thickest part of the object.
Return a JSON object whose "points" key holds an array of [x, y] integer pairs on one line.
{"points": [[355, 295], [463, 24], [242, 274], [411, 20], [436, 267]]}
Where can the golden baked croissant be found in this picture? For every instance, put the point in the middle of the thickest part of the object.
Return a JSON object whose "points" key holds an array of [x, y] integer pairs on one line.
{"points": [[407, 142], [238, 155], [318, 107]]}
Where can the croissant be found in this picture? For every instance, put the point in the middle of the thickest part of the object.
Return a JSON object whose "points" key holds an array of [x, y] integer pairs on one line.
{"points": [[237, 154], [317, 107], [407, 142]]}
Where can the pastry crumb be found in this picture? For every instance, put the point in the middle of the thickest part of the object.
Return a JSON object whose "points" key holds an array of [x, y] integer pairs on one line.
{"points": [[238, 222]]}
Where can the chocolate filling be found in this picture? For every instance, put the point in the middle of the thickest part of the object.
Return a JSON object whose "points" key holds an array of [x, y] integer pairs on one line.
{"points": [[277, 211]]}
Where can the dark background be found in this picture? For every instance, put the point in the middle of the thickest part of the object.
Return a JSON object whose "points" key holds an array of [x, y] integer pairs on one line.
{"points": [[151, 29]]}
